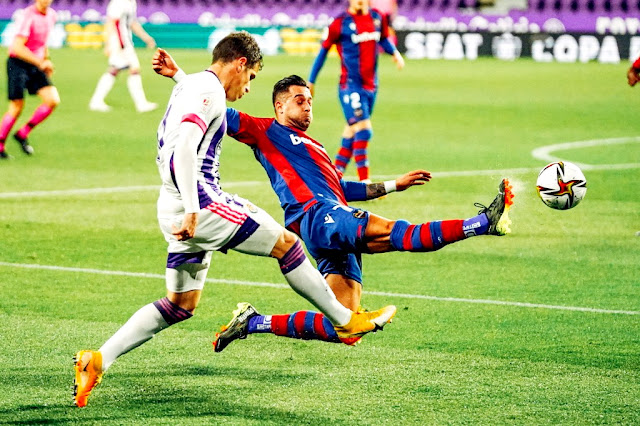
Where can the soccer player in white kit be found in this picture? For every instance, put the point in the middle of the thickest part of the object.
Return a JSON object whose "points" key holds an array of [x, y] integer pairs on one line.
{"points": [[197, 217], [121, 22]]}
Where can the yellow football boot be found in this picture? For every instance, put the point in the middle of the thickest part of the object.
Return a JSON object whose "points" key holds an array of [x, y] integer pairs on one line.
{"points": [[88, 366]]}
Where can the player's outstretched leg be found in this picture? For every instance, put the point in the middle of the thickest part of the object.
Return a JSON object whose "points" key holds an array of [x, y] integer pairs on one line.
{"points": [[431, 236], [143, 325], [305, 325], [88, 369], [309, 283]]}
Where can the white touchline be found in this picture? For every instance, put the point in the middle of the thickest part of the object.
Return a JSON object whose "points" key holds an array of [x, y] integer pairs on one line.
{"points": [[542, 153], [111, 190], [283, 286]]}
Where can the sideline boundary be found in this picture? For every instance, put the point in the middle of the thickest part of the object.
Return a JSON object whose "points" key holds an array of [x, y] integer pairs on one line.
{"points": [[284, 286]]}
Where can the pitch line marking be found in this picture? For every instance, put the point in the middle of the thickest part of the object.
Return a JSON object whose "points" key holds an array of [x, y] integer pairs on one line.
{"points": [[544, 152], [283, 286]]}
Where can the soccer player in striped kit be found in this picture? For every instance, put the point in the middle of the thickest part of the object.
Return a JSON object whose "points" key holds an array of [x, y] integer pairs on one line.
{"points": [[29, 68], [315, 201], [122, 21], [197, 217], [357, 33]]}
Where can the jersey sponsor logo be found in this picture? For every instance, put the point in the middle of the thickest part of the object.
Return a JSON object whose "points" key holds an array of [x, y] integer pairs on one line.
{"points": [[297, 140], [359, 38], [328, 219]]}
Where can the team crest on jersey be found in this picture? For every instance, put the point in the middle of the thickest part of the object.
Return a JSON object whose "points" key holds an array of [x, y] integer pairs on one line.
{"points": [[359, 214], [251, 208], [206, 104]]}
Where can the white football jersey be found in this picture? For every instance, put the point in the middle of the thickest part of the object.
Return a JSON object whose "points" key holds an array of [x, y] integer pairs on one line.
{"points": [[198, 98], [124, 12]]}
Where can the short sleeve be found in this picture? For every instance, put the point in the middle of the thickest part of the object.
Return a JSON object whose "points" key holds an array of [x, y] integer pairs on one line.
{"points": [[115, 9], [333, 34], [245, 128], [384, 25], [24, 25]]}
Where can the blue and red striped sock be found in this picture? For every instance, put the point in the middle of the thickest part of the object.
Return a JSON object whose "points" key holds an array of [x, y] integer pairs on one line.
{"points": [[344, 154], [306, 325], [434, 235], [360, 146]]}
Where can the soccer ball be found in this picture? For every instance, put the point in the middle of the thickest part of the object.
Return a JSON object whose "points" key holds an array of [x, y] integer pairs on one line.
{"points": [[561, 185]]}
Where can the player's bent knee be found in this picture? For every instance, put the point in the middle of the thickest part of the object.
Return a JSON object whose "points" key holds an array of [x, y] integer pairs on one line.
{"points": [[284, 243]]}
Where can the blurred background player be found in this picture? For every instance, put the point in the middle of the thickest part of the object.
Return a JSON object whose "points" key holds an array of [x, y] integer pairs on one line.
{"points": [[357, 33], [197, 217], [633, 73], [121, 22], [29, 68]]}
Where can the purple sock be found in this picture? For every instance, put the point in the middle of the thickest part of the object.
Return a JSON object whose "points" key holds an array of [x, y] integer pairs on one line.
{"points": [[477, 225]]}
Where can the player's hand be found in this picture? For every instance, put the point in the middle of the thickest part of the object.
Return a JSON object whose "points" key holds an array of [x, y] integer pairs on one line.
{"points": [[187, 229], [312, 88], [163, 64], [398, 59], [416, 177], [106, 50], [47, 67], [632, 77]]}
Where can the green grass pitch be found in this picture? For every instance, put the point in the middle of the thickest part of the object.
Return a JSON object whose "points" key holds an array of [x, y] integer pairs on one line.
{"points": [[450, 356]]}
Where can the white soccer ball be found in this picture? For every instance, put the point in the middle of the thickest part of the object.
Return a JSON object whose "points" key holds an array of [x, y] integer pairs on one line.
{"points": [[561, 185]]}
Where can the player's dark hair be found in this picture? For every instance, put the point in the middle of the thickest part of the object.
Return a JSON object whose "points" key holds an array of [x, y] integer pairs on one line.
{"points": [[238, 45], [283, 85]]}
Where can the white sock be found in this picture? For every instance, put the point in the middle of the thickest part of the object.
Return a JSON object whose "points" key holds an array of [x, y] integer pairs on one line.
{"points": [[142, 326], [103, 88], [309, 283], [134, 83]]}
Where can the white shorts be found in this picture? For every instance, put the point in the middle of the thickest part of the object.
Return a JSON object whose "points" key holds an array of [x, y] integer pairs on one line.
{"points": [[121, 58], [228, 223]]}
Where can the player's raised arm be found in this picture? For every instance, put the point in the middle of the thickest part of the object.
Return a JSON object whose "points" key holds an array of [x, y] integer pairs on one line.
{"points": [[163, 64]]}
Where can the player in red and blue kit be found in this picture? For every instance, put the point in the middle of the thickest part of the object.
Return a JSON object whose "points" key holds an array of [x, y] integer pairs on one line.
{"points": [[357, 33], [315, 201]]}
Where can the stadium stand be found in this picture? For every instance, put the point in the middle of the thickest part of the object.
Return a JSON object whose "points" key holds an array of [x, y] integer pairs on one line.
{"points": [[569, 15]]}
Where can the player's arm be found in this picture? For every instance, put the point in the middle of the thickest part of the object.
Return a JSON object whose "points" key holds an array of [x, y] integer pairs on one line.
{"points": [[360, 191], [185, 157], [333, 35], [21, 51], [388, 46], [144, 36], [633, 73], [185, 166], [163, 64], [246, 128]]}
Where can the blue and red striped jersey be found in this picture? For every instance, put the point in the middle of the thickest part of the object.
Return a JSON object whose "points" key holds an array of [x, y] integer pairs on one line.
{"points": [[357, 38], [299, 168]]}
